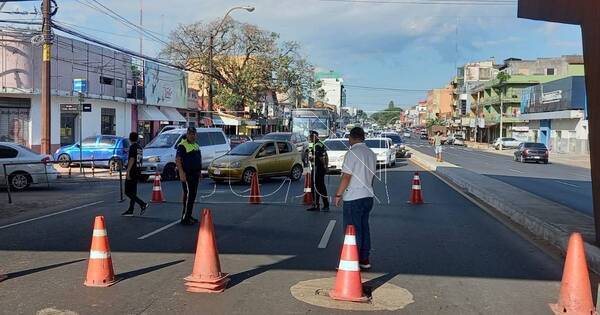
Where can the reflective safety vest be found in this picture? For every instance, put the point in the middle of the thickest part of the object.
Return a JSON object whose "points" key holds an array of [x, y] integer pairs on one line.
{"points": [[191, 159], [189, 147]]}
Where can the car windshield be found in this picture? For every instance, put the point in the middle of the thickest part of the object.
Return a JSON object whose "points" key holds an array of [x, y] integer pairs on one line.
{"points": [[535, 145], [377, 144], [24, 148], [337, 145], [395, 138], [245, 149], [278, 136], [164, 140]]}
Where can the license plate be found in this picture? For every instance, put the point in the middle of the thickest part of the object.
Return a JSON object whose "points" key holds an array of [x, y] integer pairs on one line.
{"points": [[536, 157], [217, 171]]}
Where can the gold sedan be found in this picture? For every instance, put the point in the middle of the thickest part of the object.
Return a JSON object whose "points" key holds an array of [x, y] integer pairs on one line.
{"points": [[270, 158]]}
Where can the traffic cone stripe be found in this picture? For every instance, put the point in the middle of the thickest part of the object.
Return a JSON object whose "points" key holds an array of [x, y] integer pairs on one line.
{"points": [[155, 188], [349, 265], [349, 240], [95, 254], [99, 233], [416, 187], [307, 190], [416, 177]]}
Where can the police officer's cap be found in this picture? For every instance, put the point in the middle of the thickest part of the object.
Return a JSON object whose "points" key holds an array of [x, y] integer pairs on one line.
{"points": [[314, 133], [192, 129]]}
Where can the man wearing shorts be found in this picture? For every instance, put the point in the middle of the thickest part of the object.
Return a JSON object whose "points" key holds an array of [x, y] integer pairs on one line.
{"points": [[437, 143]]}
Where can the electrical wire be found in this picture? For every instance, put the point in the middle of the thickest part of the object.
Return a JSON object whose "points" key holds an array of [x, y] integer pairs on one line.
{"points": [[433, 2]]}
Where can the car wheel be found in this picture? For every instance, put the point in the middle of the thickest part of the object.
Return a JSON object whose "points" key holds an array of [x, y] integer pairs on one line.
{"points": [[169, 173], [296, 172], [19, 181], [64, 160], [115, 164], [247, 176]]}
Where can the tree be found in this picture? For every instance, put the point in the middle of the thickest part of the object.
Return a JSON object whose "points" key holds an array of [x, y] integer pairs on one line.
{"points": [[387, 116], [391, 105], [500, 88], [248, 61]]}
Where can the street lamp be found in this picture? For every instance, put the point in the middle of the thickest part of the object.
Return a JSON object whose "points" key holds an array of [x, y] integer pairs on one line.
{"points": [[210, 53]]}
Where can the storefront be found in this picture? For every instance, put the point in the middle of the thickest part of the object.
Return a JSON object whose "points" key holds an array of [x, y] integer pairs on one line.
{"points": [[15, 119]]}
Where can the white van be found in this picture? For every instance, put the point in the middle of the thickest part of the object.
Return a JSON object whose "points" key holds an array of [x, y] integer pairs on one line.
{"points": [[159, 154]]}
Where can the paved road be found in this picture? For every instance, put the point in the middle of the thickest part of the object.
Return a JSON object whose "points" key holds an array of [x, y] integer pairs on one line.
{"points": [[567, 185], [452, 256]]}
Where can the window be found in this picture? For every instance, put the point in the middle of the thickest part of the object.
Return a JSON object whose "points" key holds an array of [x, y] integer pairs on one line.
{"points": [[284, 147], [119, 83], [107, 81], [267, 150], [216, 138], [14, 120], [107, 121], [89, 142], [485, 73], [550, 71], [7, 152], [203, 139], [107, 142]]}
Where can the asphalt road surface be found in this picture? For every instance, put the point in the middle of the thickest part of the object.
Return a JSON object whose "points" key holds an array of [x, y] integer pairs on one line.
{"points": [[448, 253], [564, 184]]}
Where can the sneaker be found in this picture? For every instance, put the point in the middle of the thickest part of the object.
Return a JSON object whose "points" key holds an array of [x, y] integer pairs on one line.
{"points": [[194, 220], [325, 209], [186, 222], [144, 207], [128, 213], [312, 209], [364, 264]]}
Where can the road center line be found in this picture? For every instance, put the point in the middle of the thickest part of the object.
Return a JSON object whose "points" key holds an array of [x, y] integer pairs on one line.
{"points": [[143, 237], [510, 169], [50, 215], [568, 184], [326, 234]]}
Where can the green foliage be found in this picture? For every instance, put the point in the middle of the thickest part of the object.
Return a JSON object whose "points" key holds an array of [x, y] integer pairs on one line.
{"points": [[387, 116], [434, 122]]}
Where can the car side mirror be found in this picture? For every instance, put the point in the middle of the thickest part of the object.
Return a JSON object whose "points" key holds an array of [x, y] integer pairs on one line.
{"points": [[77, 145]]}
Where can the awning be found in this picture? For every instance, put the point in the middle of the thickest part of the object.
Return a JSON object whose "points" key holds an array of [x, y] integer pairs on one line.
{"points": [[222, 120], [172, 114], [150, 113]]}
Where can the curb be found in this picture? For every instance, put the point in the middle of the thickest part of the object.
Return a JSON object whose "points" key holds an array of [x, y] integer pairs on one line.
{"points": [[558, 236]]}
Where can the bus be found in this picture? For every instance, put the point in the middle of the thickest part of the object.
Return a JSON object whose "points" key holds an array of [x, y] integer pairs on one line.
{"points": [[320, 120]]}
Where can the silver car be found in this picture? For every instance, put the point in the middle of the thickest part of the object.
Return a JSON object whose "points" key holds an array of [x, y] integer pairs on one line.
{"points": [[22, 176], [159, 154], [506, 143]]}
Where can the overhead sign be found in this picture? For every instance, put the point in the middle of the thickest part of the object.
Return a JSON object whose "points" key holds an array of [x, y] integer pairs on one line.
{"points": [[164, 86], [86, 108], [80, 85]]}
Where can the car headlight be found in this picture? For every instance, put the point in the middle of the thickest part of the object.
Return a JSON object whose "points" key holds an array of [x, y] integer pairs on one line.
{"points": [[402, 146], [382, 154], [235, 164], [154, 159]]}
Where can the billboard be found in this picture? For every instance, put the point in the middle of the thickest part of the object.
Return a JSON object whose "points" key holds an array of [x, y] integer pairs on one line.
{"points": [[164, 86], [563, 94]]}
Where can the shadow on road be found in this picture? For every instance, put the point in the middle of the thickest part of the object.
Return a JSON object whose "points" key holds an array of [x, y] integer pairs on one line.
{"points": [[22, 273], [139, 272]]}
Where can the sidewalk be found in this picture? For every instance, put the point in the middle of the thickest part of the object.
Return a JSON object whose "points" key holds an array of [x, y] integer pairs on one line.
{"points": [[543, 218], [578, 160]]}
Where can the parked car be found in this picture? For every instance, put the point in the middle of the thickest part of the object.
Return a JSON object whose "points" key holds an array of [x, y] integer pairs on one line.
{"points": [[112, 150], [336, 151], [382, 147], [507, 143], [299, 141], [424, 136], [159, 154], [24, 175], [235, 140], [269, 158], [406, 134], [456, 139], [531, 151], [397, 143]]}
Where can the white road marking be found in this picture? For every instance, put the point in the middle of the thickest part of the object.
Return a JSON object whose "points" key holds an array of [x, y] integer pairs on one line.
{"points": [[517, 171], [568, 184], [159, 230], [50, 215], [326, 234]]}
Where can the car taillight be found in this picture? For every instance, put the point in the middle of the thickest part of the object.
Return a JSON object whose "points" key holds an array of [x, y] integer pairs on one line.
{"points": [[526, 152]]}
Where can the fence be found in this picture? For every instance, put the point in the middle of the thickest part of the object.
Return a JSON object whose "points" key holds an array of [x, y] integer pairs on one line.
{"points": [[41, 173]]}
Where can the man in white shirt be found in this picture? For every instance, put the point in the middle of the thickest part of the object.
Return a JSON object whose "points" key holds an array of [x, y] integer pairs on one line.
{"points": [[356, 190]]}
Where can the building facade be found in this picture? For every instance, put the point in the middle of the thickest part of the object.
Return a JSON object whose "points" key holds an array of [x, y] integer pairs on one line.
{"points": [[332, 84]]}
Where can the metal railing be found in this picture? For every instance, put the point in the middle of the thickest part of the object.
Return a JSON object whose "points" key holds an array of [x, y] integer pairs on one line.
{"points": [[68, 176]]}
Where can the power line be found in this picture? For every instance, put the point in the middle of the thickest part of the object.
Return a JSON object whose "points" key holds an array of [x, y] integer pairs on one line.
{"points": [[97, 30], [433, 2]]}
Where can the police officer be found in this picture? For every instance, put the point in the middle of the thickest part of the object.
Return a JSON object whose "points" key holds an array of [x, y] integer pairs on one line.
{"points": [[318, 160], [189, 165]]}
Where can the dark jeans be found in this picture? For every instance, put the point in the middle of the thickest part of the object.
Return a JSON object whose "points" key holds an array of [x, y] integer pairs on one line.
{"points": [[356, 212], [190, 190], [131, 192], [319, 189]]}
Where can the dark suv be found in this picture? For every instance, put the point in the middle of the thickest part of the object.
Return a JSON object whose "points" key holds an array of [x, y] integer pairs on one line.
{"points": [[531, 151]]}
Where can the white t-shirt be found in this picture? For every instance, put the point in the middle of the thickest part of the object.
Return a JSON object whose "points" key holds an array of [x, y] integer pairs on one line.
{"points": [[361, 163]]}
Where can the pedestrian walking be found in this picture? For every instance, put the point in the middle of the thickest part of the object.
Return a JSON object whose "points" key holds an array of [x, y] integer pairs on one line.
{"points": [[356, 191], [134, 163], [189, 165], [437, 143], [318, 160]]}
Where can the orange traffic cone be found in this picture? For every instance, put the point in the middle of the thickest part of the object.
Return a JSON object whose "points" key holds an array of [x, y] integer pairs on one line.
{"points": [[348, 285], [255, 190], [416, 197], [206, 275], [308, 196], [575, 289], [157, 195], [100, 271]]}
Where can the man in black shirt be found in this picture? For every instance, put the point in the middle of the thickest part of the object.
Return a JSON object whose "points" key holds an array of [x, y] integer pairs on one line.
{"points": [[189, 165], [319, 161], [134, 162]]}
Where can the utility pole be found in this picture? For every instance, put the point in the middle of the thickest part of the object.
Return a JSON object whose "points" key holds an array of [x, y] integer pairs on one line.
{"points": [[501, 116], [141, 25], [210, 73], [46, 108]]}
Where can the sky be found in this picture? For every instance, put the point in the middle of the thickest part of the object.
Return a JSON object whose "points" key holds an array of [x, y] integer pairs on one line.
{"points": [[390, 45]]}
